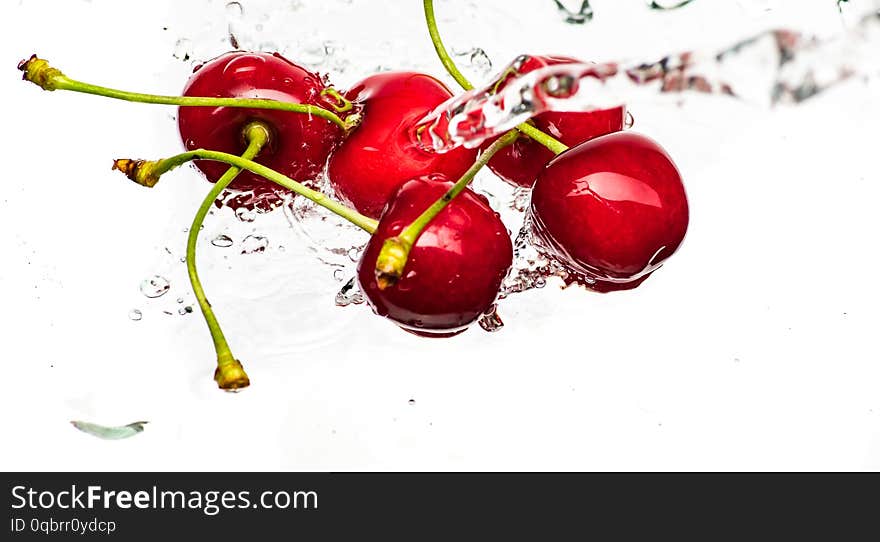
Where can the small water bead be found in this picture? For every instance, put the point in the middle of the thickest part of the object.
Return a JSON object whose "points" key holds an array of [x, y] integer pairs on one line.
{"points": [[222, 241], [490, 321], [411, 402], [667, 4], [630, 121], [339, 274], [155, 286], [182, 49], [135, 315], [180, 300], [349, 294], [183, 311], [579, 16], [234, 10], [253, 244]]}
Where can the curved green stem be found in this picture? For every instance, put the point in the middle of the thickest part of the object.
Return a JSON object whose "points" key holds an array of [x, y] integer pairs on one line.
{"points": [[39, 72], [445, 59], [147, 173], [541, 137], [229, 373], [395, 250]]}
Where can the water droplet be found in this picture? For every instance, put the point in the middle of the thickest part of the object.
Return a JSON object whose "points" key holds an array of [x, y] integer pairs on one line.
{"points": [[411, 402], [580, 16], [155, 286], [222, 241], [354, 254], [350, 294], [339, 274], [491, 321], [630, 120], [234, 10], [135, 315], [180, 300], [245, 215], [182, 49], [253, 244], [183, 311]]}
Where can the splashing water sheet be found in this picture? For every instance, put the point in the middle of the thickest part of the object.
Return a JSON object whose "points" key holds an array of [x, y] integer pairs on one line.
{"points": [[749, 350]]}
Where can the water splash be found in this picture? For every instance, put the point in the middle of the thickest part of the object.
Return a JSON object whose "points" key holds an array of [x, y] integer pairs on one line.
{"points": [[334, 240], [532, 267], [773, 67]]}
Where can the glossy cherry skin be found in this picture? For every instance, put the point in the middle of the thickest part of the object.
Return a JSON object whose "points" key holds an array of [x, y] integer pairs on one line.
{"points": [[454, 269], [298, 145], [612, 210], [380, 154], [520, 163]]}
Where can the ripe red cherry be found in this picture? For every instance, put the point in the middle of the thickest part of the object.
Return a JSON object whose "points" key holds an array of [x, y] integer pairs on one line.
{"points": [[298, 145], [611, 210], [520, 163], [454, 269], [380, 154]]}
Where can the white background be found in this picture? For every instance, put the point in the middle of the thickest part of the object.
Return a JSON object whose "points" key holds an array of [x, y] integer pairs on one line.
{"points": [[754, 348]]}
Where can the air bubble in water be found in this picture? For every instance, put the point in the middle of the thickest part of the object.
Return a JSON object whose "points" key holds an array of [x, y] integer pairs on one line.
{"points": [[222, 241], [155, 286], [253, 244], [629, 121], [411, 402], [182, 49], [183, 311], [135, 315], [354, 254], [339, 274], [349, 294]]}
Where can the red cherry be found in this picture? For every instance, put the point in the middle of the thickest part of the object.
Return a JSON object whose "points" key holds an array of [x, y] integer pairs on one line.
{"points": [[520, 163], [298, 145], [380, 154], [455, 267], [611, 210]]}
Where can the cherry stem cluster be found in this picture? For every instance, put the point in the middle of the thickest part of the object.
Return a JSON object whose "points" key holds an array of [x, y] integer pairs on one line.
{"points": [[41, 73], [525, 128]]}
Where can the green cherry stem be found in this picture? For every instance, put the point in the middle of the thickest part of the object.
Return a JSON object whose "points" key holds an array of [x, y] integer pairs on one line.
{"points": [[395, 250], [147, 173], [230, 374], [541, 137], [42, 74]]}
